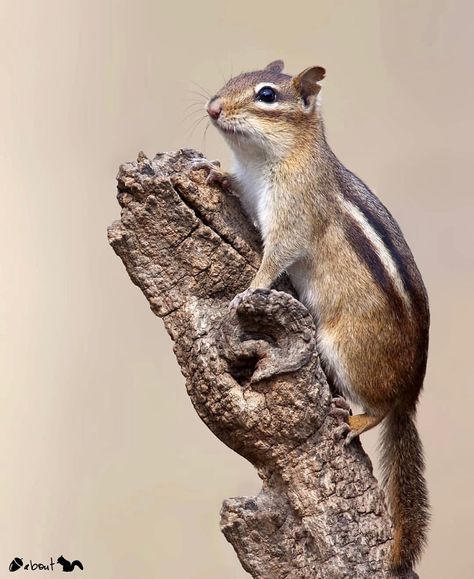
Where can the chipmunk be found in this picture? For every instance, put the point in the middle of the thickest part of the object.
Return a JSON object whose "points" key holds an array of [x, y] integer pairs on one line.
{"points": [[350, 264]]}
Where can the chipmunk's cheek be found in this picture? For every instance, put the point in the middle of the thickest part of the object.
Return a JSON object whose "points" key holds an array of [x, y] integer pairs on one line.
{"points": [[263, 126], [256, 123]]}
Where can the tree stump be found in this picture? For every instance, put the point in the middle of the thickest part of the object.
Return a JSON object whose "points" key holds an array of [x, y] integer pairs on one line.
{"points": [[253, 376]]}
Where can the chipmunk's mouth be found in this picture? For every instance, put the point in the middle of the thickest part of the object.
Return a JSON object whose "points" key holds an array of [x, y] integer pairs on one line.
{"points": [[230, 128]]}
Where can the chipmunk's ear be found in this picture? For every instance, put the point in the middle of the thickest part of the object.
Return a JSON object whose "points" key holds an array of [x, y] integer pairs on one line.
{"points": [[275, 66], [306, 83]]}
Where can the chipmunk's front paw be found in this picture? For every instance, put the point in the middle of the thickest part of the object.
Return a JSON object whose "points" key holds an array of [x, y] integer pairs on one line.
{"points": [[340, 408], [214, 175], [240, 298], [342, 411]]}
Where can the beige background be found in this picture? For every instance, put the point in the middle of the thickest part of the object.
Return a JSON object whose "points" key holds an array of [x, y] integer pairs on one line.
{"points": [[102, 456]]}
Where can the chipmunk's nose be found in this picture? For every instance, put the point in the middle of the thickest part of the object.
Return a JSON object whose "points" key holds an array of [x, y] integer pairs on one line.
{"points": [[214, 108]]}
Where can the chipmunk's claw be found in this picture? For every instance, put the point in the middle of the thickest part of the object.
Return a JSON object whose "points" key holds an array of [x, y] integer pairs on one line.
{"points": [[239, 298], [214, 175], [340, 403], [350, 436], [342, 431], [342, 410]]}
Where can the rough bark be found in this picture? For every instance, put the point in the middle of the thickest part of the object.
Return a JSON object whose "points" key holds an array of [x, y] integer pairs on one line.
{"points": [[253, 376]]}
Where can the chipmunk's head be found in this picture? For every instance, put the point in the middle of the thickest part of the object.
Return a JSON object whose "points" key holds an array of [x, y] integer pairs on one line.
{"points": [[267, 109]]}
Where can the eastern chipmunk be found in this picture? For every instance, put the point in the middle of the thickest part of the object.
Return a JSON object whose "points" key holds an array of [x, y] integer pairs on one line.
{"points": [[349, 263]]}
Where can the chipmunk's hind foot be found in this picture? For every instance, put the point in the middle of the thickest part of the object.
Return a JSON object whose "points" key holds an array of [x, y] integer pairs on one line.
{"points": [[361, 423]]}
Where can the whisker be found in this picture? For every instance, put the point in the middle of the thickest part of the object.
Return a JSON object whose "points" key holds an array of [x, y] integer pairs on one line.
{"points": [[199, 94], [191, 114], [205, 91], [197, 106], [195, 125], [203, 141], [201, 99]]}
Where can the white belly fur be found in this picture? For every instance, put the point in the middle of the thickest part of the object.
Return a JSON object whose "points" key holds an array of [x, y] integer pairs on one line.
{"points": [[255, 192]]}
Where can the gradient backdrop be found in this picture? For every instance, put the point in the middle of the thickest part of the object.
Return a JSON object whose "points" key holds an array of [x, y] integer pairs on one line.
{"points": [[102, 456]]}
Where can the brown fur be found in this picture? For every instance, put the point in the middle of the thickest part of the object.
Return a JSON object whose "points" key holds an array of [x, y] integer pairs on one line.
{"points": [[351, 265]]}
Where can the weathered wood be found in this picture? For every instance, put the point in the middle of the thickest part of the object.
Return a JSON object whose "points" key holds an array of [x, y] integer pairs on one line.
{"points": [[253, 376]]}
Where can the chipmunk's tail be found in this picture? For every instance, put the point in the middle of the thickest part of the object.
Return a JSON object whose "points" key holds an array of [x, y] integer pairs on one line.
{"points": [[405, 487]]}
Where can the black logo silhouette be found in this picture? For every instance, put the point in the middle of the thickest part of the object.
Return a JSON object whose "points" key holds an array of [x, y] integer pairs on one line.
{"points": [[68, 566], [16, 564]]}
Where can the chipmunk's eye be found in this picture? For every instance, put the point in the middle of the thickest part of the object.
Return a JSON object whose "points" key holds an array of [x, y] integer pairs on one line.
{"points": [[267, 94]]}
